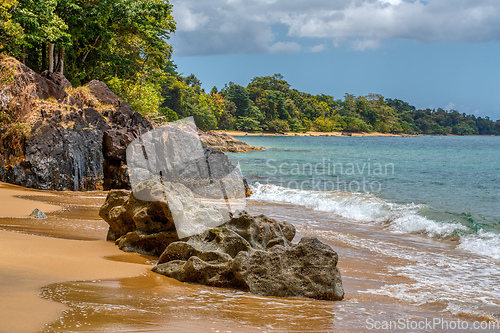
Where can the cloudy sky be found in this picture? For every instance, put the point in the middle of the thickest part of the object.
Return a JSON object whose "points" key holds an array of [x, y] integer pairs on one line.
{"points": [[434, 53]]}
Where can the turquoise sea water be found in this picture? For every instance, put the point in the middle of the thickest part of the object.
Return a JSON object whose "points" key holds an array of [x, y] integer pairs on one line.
{"points": [[434, 185]]}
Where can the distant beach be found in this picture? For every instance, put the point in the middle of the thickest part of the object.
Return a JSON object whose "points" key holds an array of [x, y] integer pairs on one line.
{"points": [[243, 133]]}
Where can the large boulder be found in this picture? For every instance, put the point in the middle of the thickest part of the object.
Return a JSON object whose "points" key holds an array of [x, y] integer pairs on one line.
{"points": [[147, 226], [255, 254], [54, 139]]}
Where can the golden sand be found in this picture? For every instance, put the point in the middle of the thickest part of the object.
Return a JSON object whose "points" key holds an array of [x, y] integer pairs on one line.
{"points": [[30, 262]]}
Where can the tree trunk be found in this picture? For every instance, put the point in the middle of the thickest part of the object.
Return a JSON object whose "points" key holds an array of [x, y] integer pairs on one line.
{"points": [[44, 57], [61, 69], [56, 60], [51, 57]]}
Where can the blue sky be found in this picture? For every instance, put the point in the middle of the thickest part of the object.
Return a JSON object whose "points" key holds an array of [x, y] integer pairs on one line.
{"points": [[435, 53]]}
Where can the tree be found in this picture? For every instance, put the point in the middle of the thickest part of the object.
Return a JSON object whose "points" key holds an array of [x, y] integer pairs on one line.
{"points": [[239, 96], [278, 125], [248, 124], [10, 32], [143, 97]]}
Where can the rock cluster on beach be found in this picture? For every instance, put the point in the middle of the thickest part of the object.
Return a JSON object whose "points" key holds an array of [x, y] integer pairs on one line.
{"points": [[249, 253]]}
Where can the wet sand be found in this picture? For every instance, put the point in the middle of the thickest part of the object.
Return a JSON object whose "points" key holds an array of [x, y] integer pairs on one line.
{"points": [[73, 281], [30, 262], [12, 206]]}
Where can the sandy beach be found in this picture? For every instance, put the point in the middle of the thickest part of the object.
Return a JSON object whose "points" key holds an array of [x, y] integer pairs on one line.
{"points": [[30, 262], [242, 133]]}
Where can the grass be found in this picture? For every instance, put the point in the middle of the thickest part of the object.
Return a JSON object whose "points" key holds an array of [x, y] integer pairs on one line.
{"points": [[83, 95]]}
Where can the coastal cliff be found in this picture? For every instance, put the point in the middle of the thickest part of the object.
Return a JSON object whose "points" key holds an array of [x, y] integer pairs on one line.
{"points": [[56, 137]]}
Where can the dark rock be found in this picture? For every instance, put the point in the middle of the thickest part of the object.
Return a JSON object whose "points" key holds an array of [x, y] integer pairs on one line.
{"points": [[103, 94], [255, 254], [60, 143], [57, 78], [38, 214], [149, 244], [114, 147], [308, 269]]}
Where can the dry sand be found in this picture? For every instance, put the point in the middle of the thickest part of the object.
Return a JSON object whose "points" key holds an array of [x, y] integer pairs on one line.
{"points": [[30, 262]]}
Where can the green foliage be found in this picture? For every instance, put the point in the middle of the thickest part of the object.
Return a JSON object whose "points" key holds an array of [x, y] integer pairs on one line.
{"points": [[295, 125], [240, 97], [356, 125], [10, 32], [143, 96], [96, 39], [278, 125], [168, 113], [4, 118], [248, 124]]}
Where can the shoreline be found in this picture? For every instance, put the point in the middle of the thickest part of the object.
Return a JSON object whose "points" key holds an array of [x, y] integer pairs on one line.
{"points": [[324, 134]]}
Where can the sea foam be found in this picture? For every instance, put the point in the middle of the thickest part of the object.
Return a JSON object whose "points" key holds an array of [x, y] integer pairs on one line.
{"points": [[399, 218]]}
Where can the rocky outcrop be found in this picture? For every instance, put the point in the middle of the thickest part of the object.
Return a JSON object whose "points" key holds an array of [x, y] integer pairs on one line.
{"points": [[55, 139], [147, 226], [256, 254], [224, 142], [249, 253]]}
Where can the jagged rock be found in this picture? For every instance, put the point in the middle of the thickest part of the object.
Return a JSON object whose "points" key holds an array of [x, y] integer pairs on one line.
{"points": [[101, 91], [224, 142], [307, 269], [115, 142], [59, 81], [255, 254], [147, 226], [55, 141], [149, 244], [38, 214]]}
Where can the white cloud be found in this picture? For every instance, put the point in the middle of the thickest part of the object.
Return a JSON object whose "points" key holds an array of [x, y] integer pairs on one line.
{"points": [[364, 44], [285, 47], [318, 48], [237, 26]]}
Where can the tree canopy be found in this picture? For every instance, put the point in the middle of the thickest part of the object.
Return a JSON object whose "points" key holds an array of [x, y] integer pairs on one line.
{"points": [[125, 44]]}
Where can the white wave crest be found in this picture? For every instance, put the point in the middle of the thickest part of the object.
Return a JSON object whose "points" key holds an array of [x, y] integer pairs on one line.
{"points": [[364, 207], [359, 206]]}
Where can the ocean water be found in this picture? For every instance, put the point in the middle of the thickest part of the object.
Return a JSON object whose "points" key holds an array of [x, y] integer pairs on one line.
{"points": [[442, 191]]}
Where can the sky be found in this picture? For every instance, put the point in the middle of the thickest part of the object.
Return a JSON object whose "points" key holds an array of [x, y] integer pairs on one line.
{"points": [[434, 53]]}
